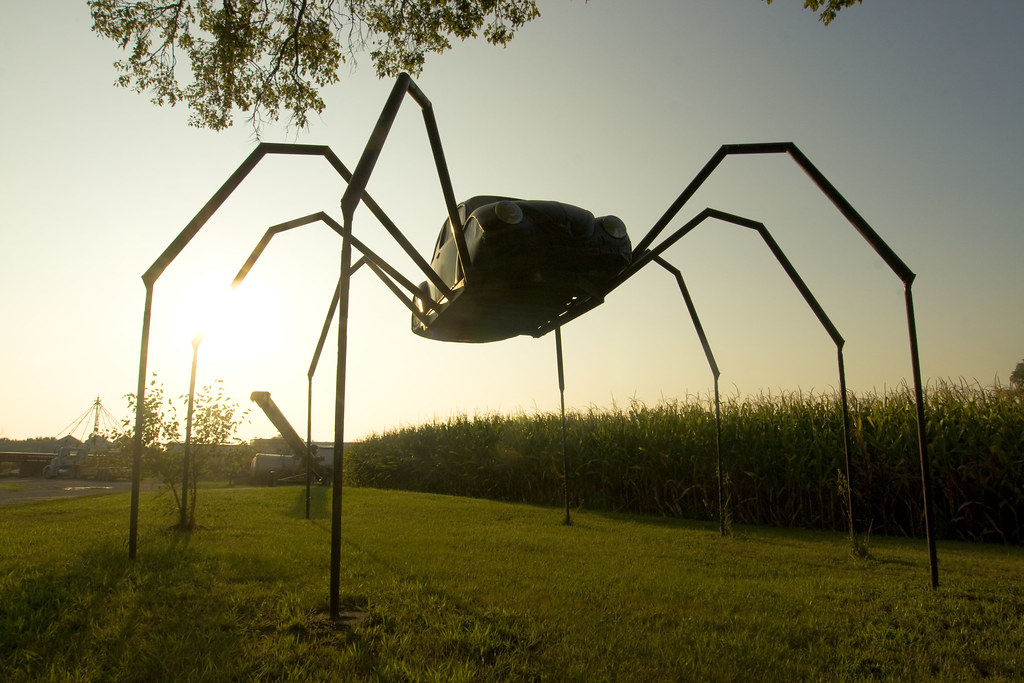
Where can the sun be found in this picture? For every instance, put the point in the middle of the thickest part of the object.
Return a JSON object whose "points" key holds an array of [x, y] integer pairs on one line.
{"points": [[233, 328], [242, 329]]}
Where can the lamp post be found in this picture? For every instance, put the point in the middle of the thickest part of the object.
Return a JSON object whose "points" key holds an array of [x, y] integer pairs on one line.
{"points": [[196, 341]]}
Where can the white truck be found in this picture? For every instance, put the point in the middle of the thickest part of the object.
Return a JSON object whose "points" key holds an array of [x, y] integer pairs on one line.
{"points": [[76, 463]]}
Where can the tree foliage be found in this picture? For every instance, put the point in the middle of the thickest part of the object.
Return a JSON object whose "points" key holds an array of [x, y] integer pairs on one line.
{"points": [[160, 431], [159, 419], [1017, 376], [827, 9], [266, 57], [215, 419]]}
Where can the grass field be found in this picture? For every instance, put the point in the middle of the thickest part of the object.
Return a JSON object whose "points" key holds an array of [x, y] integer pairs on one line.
{"points": [[466, 589]]}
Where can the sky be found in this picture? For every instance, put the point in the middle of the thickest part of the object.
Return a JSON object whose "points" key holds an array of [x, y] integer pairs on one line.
{"points": [[912, 109]]}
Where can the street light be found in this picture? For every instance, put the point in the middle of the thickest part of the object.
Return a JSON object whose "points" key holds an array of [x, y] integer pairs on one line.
{"points": [[196, 341]]}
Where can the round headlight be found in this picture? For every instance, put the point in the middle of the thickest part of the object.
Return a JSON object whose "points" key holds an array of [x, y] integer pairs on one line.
{"points": [[614, 226], [508, 212]]}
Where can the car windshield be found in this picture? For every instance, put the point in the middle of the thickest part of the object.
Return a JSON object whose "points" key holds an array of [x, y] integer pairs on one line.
{"points": [[446, 232]]}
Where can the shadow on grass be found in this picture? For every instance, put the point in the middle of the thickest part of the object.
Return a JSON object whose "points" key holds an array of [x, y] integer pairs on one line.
{"points": [[173, 614], [319, 502], [655, 521]]}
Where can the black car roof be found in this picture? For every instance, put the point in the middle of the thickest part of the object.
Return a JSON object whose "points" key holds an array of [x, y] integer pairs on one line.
{"points": [[474, 203]]}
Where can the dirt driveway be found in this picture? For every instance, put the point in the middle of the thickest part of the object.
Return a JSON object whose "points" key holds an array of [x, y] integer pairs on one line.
{"points": [[15, 491]]}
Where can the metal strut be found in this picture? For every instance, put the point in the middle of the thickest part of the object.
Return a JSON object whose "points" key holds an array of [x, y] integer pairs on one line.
{"points": [[561, 394], [715, 373]]}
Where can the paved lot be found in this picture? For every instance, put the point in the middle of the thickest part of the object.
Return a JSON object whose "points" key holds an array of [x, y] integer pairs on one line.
{"points": [[16, 491]]}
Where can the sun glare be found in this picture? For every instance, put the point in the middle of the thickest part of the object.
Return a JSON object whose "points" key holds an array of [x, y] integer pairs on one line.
{"points": [[231, 324], [239, 333]]}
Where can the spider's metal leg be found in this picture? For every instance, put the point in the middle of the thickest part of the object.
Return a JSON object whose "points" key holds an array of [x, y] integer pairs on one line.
{"points": [[921, 436], [328, 319], [339, 403], [368, 256], [826, 323], [845, 406], [397, 291], [379, 266], [273, 231], [392, 278], [837, 339], [801, 286], [309, 441], [715, 372], [677, 205], [561, 394], [434, 136], [407, 246], [404, 85], [140, 393], [817, 177], [229, 186], [344, 282]]}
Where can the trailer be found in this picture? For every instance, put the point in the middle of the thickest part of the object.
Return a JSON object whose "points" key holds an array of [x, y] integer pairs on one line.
{"points": [[24, 464], [274, 468]]}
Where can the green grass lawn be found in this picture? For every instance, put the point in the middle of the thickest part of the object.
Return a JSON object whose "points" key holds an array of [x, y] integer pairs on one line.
{"points": [[463, 589]]}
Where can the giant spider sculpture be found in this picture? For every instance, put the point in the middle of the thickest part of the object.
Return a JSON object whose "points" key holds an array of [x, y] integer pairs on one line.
{"points": [[503, 267]]}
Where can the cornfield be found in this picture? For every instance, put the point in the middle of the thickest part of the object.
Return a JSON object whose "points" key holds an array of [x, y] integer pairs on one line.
{"points": [[783, 460]]}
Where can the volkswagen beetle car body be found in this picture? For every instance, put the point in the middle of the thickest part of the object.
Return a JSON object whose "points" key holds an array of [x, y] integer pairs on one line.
{"points": [[528, 262]]}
